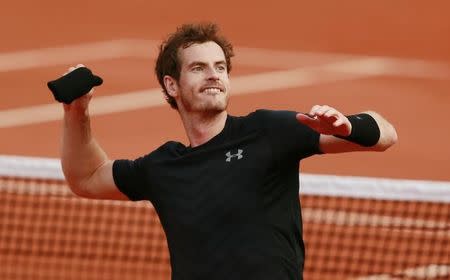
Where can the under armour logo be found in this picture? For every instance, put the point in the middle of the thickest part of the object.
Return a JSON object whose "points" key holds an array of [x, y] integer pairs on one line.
{"points": [[230, 156]]}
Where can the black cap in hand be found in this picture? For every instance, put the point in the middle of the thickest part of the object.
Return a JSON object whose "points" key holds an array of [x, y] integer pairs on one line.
{"points": [[74, 84]]}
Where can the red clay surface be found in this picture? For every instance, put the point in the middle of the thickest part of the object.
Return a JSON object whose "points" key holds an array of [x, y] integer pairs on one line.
{"points": [[409, 29], [418, 107]]}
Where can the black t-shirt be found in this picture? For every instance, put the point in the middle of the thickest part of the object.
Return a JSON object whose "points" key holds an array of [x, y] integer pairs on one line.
{"points": [[230, 207]]}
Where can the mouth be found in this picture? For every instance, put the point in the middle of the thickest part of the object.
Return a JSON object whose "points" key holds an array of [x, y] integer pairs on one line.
{"points": [[212, 90]]}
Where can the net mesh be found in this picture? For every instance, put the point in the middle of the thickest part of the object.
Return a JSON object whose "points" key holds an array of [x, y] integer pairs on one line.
{"points": [[354, 228]]}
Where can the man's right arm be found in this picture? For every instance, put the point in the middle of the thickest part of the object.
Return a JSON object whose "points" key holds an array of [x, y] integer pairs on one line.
{"points": [[86, 167]]}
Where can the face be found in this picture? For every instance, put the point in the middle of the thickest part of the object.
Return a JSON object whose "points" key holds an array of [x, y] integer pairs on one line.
{"points": [[204, 84]]}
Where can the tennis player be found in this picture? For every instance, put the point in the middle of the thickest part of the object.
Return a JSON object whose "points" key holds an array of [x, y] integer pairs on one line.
{"points": [[228, 201]]}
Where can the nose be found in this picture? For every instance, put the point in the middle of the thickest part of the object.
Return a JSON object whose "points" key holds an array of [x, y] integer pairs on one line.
{"points": [[213, 74]]}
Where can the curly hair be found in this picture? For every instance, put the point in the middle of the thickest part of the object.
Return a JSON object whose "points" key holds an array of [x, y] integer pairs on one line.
{"points": [[168, 62]]}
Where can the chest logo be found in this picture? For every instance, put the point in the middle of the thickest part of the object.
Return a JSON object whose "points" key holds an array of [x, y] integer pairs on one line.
{"points": [[238, 155]]}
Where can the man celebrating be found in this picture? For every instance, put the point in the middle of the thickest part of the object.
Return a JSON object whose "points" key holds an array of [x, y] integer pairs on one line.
{"points": [[228, 202]]}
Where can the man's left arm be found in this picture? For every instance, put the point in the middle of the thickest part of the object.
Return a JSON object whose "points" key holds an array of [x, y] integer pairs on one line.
{"points": [[366, 131]]}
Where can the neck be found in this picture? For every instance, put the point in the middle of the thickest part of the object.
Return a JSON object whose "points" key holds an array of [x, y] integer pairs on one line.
{"points": [[200, 128]]}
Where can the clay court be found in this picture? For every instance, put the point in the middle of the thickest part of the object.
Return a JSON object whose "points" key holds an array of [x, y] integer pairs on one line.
{"points": [[392, 57]]}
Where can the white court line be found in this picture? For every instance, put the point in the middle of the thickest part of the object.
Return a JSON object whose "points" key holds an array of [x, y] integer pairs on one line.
{"points": [[431, 271], [262, 82], [311, 184], [47, 169], [255, 83], [348, 218], [148, 49], [398, 67], [337, 68], [46, 57]]}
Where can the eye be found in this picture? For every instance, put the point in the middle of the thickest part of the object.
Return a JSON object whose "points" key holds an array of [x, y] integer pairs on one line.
{"points": [[197, 68], [221, 67]]}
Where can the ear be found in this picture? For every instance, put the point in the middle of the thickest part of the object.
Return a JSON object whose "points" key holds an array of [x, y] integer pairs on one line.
{"points": [[171, 85]]}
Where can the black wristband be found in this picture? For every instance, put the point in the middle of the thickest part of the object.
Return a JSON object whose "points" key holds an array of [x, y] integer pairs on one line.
{"points": [[365, 130], [74, 84]]}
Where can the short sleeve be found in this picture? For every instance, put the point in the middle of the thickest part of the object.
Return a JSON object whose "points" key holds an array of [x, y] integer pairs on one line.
{"points": [[290, 139], [129, 178]]}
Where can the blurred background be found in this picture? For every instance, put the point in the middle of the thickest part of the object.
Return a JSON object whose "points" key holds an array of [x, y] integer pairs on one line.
{"points": [[389, 56], [408, 82]]}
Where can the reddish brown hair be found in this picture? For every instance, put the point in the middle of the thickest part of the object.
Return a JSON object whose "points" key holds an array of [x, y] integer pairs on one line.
{"points": [[168, 62]]}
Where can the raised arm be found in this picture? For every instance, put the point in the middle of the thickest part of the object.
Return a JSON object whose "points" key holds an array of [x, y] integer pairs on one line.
{"points": [[86, 167], [373, 132]]}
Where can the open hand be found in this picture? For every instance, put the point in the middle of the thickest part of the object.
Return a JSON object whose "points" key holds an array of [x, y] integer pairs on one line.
{"points": [[326, 120]]}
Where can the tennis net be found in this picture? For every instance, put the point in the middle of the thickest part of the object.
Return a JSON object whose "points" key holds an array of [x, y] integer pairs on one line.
{"points": [[354, 228]]}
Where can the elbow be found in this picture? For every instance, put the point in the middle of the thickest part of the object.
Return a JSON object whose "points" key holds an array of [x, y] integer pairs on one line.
{"points": [[75, 181], [388, 140], [77, 188], [394, 137], [75, 185]]}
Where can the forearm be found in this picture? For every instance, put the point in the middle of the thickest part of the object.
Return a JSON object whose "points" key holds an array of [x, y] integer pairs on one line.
{"points": [[388, 134], [386, 137], [80, 155]]}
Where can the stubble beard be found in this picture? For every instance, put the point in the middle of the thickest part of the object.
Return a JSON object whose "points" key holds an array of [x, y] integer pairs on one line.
{"points": [[207, 107]]}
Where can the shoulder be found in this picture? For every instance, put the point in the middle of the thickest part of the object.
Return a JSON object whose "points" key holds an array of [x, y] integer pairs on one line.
{"points": [[267, 118], [266, 114], [253, 121], [167, 150], [281, 123], [163, 152]]}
